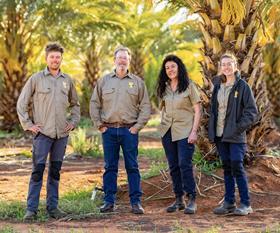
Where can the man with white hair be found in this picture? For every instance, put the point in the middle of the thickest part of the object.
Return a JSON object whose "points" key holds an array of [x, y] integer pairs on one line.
{"points": [[119, 108]]}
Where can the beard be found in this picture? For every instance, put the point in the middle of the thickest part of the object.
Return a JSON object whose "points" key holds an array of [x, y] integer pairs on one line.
{"points": [[122, 67]]}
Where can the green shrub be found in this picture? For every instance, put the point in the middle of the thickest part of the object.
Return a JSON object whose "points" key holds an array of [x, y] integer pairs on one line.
{"points": [[85, 146], [85, 122], [155, 169], [153, 122], [204, 165]]}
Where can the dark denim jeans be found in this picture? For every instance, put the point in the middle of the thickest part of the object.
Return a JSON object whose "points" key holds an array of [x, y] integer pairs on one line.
{"points": [[232, 155], [113, 140], [42, 146], [179, 155]]}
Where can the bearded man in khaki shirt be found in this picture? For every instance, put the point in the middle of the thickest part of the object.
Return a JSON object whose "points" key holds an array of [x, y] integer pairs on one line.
{"points": [[119, 108], [52, 94]]}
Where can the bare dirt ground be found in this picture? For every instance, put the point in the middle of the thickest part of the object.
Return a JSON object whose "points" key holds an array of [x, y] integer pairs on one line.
{"points": [[264, 181]]}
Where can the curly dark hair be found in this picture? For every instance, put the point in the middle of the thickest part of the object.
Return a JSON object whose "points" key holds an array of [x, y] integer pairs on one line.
{"points": [[183, 77], [54, 47]]}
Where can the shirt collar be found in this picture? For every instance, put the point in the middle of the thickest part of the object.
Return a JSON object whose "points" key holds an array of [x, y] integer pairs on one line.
{"points": [[168, 86], [128, 75], [47, 72]]}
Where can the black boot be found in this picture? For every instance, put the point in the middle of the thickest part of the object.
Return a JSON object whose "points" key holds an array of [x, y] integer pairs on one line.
{"points": [[178, 204], [191, 206]]}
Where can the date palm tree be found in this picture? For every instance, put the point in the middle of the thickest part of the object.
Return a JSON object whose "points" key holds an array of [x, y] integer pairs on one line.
{"points": [[272, 55], [19, 21], [233, 26]]}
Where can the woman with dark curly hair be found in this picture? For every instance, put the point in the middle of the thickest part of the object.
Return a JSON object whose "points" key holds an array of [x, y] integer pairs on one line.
{"points": [[180, 116], [233, 111]]}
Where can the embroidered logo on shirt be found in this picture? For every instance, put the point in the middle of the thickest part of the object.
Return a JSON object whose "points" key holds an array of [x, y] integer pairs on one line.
{"points": [[64, 84], [131, 84], [235, 94]]}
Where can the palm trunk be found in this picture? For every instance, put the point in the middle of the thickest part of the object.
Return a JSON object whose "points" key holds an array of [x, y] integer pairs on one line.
{"points": [[234, 29], [14, 64], [92, 73], [137, 63]]}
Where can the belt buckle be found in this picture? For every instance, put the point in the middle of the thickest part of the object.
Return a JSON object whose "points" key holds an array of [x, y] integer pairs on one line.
{"points": [[118, 125]]}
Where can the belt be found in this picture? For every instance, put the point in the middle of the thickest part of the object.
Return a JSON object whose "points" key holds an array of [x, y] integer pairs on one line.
{"points": [[117, 125]]}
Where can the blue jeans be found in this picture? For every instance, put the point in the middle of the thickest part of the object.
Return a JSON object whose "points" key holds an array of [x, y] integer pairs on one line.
{"points": [[113, 140], [232, 155], [42, 146], [179, 156]]}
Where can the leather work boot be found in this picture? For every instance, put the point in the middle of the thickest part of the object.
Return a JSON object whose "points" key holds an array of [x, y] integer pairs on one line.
{"points": [[243, 210], [137, 209], [177, 205], [29, 216], [224, 208], [107, 207], [56, 213], [191, 206]]}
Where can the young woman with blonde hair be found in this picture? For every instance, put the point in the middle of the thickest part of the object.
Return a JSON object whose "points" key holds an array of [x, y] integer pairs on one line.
{"points": [[233, 111]]}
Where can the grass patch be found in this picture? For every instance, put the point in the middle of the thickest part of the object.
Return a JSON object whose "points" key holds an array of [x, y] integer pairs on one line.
{"points": [[85, 146], [178, 227], [155, 154], [155, 169], [275, 229], [26, 153], [274, 152], [77, 203], [205, 166], [80, 203], [153, 122], [8, 229], [17, 133], [154, 134], [15, 211]]}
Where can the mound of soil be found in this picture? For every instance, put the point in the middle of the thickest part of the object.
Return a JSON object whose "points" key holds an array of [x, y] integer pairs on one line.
{"points": [[264, 183]]}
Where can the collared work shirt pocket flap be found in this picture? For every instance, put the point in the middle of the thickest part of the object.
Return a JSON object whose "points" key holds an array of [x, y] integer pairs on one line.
{"points": [[108, 91], [44, 90], [132, 91]]}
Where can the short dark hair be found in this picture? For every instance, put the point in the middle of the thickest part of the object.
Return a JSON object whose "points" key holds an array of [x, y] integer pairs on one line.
{"points": [[54, 47], [183, 77]]}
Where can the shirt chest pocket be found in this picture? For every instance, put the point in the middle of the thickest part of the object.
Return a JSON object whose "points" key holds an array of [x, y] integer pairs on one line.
{"points": [[132, 96], [183, 100], [42, 93], [132, 91], [107, 94]]}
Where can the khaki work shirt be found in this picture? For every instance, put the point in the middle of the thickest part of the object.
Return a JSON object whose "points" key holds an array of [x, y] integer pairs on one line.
{"points": [[222, 97], [51, 97], [116, 100], [177, 111]]}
